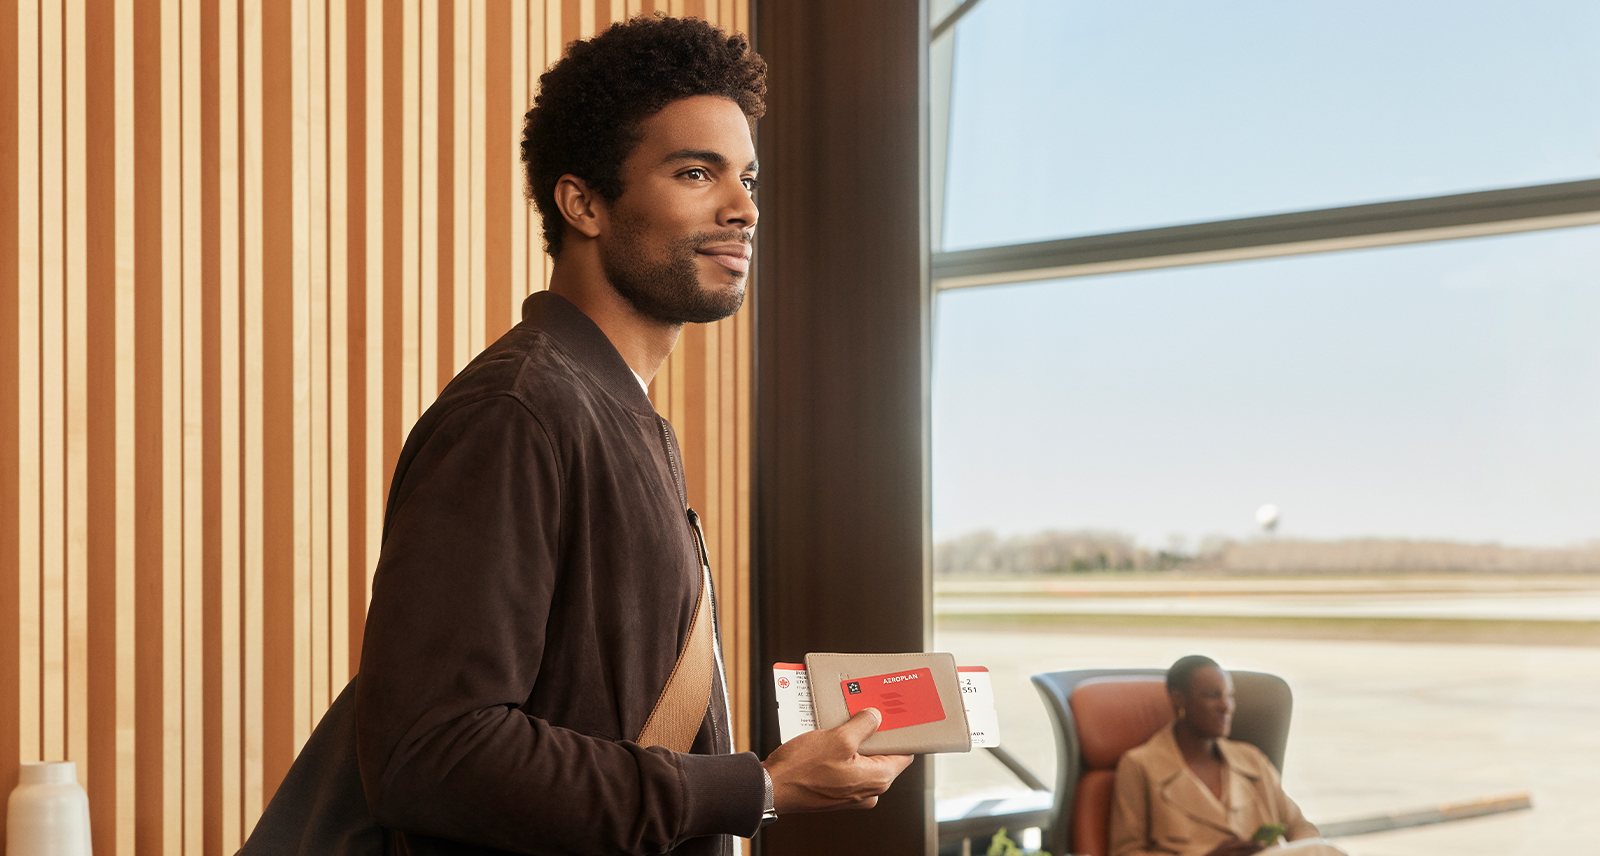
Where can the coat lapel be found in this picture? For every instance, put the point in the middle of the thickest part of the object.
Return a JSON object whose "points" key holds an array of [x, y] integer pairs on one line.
{"points": [[1244, 782], [1185, 794]]}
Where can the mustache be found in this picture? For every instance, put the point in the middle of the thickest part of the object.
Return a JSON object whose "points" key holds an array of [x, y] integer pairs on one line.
{"points": [[731, 236]]}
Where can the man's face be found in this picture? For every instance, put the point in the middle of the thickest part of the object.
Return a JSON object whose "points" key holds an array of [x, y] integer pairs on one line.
{"points": [[677, 242]]}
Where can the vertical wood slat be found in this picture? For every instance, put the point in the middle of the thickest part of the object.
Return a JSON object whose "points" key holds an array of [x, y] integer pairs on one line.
{"points": [[252, 693], [337, 41], [492, 84], [190, 358], [462, 156], [172, 430], [207, 646], [317, 319], [349, 41], [151, 823], [411, 202], [540, 58], [298, 671], [373, 357], [187, 756], [230, 602], [29, 394], [12, 211], [124, 603], [77, 388], [319, 669], [52, 316], [284, 355], [428, 167], [522, 39], [477, 179]]}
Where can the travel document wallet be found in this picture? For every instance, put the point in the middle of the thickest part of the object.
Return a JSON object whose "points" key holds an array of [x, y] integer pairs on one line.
{"points": [[918, 694]]}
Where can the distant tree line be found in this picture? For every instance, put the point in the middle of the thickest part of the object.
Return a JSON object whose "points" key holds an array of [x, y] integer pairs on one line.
{"points": [[1369, 555], [985, 554]]}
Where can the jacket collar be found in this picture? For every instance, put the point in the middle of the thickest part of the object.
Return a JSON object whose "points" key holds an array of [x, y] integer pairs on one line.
{"points": [[1183, 790], [587, 343]]}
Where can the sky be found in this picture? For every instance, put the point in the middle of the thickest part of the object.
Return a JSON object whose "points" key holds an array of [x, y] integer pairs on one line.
{"points": [[1448, 390]]}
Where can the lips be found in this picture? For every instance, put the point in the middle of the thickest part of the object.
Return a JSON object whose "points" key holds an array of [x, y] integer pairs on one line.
{"points": [[734, 257]]}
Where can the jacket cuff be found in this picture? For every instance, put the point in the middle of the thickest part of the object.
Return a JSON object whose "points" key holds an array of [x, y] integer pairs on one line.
{"points": [[726, 794]]}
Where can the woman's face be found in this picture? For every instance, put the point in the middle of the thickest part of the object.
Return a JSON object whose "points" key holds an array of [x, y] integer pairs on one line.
{"points": [[1209, 704]]}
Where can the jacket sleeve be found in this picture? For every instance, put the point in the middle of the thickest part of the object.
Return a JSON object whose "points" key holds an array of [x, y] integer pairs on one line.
{"points": [[453, 643], [1288, 812], [1130, 811]]}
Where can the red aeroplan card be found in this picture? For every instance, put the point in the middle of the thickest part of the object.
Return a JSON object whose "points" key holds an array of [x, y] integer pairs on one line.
{"points": [[904, 698]]}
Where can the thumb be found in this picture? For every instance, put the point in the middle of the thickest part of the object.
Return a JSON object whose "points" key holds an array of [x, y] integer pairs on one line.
{"points": [[861, 726]]}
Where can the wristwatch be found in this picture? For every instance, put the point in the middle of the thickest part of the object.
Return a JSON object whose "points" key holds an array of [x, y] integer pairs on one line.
{"points": [[769, 815]]}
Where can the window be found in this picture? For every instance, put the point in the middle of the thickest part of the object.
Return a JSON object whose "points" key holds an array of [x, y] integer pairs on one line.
{"points": [[1423, 415], [1075, 118]]}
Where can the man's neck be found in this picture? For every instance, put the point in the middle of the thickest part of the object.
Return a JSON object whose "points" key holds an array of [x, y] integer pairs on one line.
{"points": [[643, 342]]}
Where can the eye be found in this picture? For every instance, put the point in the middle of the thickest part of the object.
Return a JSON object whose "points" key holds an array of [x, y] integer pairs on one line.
{"points": [[696, 173], [750, 183]]}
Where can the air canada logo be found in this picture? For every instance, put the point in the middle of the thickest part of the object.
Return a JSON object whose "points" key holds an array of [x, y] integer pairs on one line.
{"points": [[783, 683], [854, 687]]}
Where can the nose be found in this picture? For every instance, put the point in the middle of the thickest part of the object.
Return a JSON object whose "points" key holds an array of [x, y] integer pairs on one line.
{"points": [[739, 210]]}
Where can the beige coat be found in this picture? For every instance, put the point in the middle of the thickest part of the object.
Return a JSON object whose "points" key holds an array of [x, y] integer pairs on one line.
{"points": [[1160, 807]]}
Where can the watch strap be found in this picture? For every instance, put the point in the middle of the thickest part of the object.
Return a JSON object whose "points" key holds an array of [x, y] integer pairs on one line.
{"points": [[768, 814]]}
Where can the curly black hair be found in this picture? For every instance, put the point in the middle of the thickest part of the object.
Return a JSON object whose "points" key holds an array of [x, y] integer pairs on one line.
{"points": [[585, 120]]}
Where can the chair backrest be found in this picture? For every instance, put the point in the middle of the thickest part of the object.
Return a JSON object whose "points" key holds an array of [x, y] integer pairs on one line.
{"points": [[1101, 713]]}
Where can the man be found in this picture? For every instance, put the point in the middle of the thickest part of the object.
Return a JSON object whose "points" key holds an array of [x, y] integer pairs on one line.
{"points": [[540, 569]]}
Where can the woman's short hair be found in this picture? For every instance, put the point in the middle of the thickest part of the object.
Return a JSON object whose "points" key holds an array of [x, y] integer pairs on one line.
{"points": [[1181, 674]]}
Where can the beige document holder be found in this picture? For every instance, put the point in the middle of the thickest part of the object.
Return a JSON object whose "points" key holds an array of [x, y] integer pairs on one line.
{"points": [[825, 672]]}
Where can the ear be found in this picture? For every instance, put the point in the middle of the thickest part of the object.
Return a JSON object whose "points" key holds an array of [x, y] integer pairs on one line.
{"points": [[580, 206]]}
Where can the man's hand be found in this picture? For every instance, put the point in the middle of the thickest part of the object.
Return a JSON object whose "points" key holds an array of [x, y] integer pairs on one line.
{"points": [[822, 770], [1235, 847]]}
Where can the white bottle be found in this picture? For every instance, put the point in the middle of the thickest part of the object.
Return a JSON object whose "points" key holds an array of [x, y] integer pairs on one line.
{"points": [[49, 812]]}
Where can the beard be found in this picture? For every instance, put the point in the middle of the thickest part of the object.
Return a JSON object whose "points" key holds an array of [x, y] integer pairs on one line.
{"points": [[667, 288]]}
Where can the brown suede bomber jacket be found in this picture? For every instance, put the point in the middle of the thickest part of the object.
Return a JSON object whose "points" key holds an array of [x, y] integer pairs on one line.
{"points": [[537, 578]]}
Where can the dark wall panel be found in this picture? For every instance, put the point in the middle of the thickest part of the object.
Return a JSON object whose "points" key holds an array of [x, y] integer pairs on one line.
{"points": [[841, 331]]}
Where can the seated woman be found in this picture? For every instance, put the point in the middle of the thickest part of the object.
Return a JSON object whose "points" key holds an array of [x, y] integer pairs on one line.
{"points": [[1190, 791]]}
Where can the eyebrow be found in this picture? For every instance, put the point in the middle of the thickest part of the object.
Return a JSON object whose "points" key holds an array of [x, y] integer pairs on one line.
{"points": [[711, 157]]}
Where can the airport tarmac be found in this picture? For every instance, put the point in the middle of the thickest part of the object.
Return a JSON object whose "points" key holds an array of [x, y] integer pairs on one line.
{"points": [[1565, 600], [1379, 727]]}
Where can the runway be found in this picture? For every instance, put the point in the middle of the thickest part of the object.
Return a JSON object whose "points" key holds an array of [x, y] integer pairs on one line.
{"points": [[1496, 598]]}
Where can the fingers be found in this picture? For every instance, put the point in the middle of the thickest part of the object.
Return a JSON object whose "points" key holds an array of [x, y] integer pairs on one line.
{"points": [[824, 770], [860, 727], [890, 765]]}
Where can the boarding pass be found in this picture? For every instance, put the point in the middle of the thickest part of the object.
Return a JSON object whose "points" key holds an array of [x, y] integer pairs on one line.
{"points": [[797, 714]]}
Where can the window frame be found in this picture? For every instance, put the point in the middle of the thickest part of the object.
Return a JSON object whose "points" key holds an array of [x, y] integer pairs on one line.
{"points": [[1445, 217]]}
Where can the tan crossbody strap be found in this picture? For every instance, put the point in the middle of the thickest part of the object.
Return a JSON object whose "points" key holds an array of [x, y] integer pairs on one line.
{"points": [[676, 718]]}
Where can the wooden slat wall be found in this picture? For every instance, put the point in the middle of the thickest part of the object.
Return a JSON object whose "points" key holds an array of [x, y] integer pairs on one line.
{"points": [[243, 243]]}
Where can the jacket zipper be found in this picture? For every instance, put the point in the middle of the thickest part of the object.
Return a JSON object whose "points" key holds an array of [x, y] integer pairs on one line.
{"points": [[672, 462]]}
